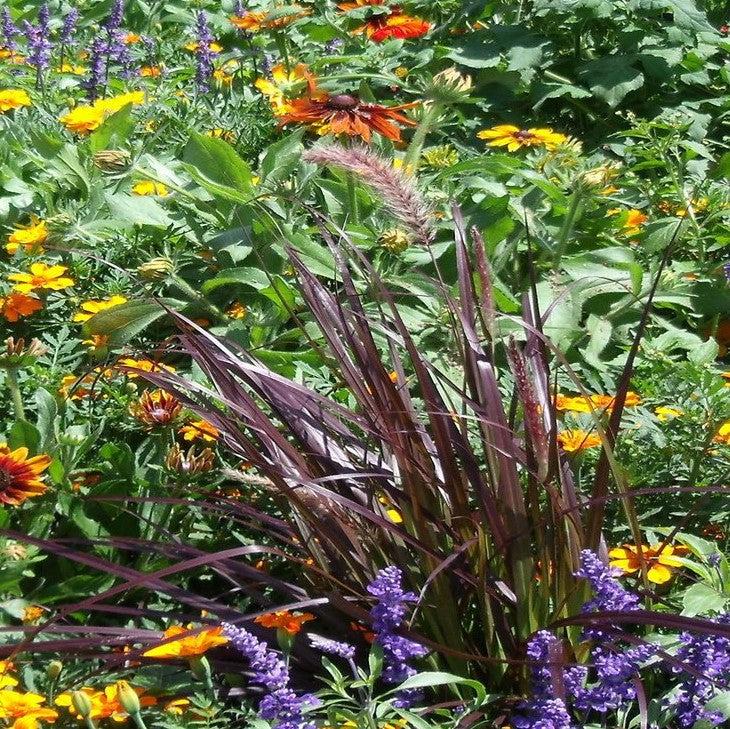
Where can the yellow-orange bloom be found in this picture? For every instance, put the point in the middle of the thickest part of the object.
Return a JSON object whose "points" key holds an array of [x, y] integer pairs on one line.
{"points": [[514, 138], [632, 220], [16, 305], [41, 276], [13, 99], [723, 434], [24, 710], [394, 25], [88, 117], [20, 476], [148, 187], [32, 613], [284, 620], [253, 21], [156, 409], [237, 310], [176, 706], [577, 440], [144, 365], [150, 71], [30, 237], [104, 704], [659, 562], [190, 646], [284, 85], [94, 306], [199, 430], [664, 412], [580, 404]]}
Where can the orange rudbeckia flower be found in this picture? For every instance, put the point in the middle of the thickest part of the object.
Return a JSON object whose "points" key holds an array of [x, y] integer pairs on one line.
{"points": [[20, 476], [346, 114], [659, 561], [190, 646], [394, 25], [284, 620]]}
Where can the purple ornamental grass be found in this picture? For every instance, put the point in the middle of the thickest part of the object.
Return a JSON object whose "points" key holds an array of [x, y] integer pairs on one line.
{"points": [[281, 704], [203, 53], [388, 614]]}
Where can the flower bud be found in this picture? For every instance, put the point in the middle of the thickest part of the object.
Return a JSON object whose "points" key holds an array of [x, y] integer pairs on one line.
{"points": [[440, 157], [449, 86], [156, 268], [17, 355], [394, 240], [111, 160], [82, 704], [53, 670], [190, 463], [128, 698]]}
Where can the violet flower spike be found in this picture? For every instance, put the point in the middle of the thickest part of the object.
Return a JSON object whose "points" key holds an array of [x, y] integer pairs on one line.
{"points": [[97, 67], [281, 704], [116, 16], [9, 30], [203, 53], [39, 45], [69, 27], [388, 614]]}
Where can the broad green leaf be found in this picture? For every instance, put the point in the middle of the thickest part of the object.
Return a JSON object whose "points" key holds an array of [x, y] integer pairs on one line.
{"points": [[441, 678], [47, 411], [701, 599], [282, 157], [611, 78], [217, 162], [115, 130], [24, 435], [253, 277], [137, 210], [125, 321]]}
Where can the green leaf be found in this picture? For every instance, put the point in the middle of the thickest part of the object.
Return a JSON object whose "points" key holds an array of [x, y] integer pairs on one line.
{"points": [[253, 277], [47, 411], [440, 678], [687, 15], [218, 167], [137, 210], [701, 599], [611, 78], [24, 435], [705, 353], [282, 157], [723, 167], [115, 130], [123, 322]]}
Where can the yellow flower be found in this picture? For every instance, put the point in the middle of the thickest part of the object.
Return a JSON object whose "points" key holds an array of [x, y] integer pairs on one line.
{"points": [[726, 375], [659, 561], [148, 187], [190, 646], [193, 46], [31, 237], [13, 99], [144, 365], [580, 404], [631, 220], [71, 68], [218, 133], [199, 429], [41, 276], [284, 85], [83, 119], [578, 440], [176, 706], [96, 341], [94, 306], [514, 138], [32, 613], [237, 310], [723, 434], [150, 71], [115, 103], [664, 412], [131, 39], [24, 710]]}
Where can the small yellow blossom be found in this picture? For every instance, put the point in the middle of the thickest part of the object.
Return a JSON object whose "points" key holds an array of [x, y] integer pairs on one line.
{"points": [[631, 220], [514, 138], [32, 614], [30, 237], [664, 412], [199, 429], [659, 561], [284, 85], [94, 306], [148, 187], [13, 99], [41, 276]]}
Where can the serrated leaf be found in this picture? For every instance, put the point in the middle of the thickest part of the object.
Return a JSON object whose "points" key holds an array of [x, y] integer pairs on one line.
{"points": [[611, 78]]}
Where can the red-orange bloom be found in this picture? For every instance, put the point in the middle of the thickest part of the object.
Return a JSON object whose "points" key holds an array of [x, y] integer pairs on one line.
{"points": [[20, 476], [346, 114], [394, 25], [284, 620]]}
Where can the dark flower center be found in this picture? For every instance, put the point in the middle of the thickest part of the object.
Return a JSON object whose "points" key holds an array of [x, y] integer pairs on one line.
{"points": [[343, 101], [5, 480], [523, 135]]}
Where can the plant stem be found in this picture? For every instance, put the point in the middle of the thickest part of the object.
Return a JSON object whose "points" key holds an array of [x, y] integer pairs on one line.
{"points": [[575, 201], [352, 198], [419, 136], [15, 394]]}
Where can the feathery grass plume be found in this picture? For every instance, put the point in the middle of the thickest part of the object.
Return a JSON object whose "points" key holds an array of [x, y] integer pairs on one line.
{"points": [[395, 187]]}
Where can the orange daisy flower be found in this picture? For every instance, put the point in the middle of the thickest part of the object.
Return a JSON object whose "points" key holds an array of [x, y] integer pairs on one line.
{"points": [[394, 25], [284, 620], [190, 646], [156, 409], [42, 276], [199, 429], [15, 305], [20, 476], [346, 114], [253, 21], [659, 561], [104, 704], [572, 441]]}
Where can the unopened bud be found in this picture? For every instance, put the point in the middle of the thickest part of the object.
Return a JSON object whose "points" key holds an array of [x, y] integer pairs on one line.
{"points": [[128, 698], [156, 268], [112, 160], [53, 670], [82, 704], [394, 240], [449, 86]]}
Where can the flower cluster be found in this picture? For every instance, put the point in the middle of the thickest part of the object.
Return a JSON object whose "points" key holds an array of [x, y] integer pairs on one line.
{"points": [[388, 615], [280, 703]]}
